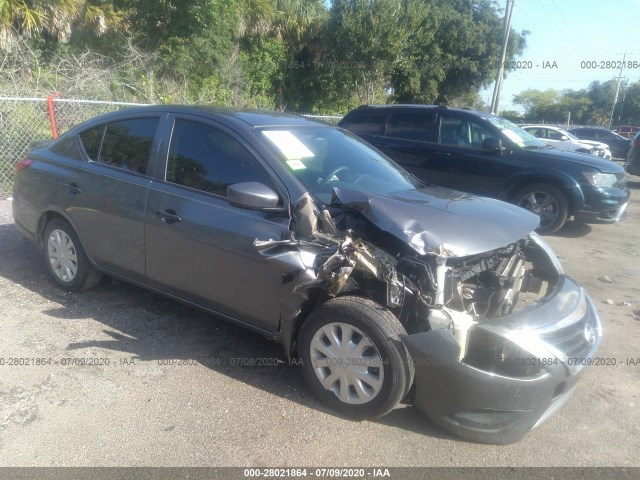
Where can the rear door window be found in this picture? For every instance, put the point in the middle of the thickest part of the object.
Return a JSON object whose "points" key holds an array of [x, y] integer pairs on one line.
{"points": [[586, 132], [536, 132], [127, 144], [413, 126], [555, 135]]}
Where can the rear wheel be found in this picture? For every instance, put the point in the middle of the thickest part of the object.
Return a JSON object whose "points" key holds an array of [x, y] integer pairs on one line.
{"points": [[65, 259], [353, 357], [546, 201]]}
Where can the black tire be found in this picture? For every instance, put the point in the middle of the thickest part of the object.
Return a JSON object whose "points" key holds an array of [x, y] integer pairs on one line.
{"points": [[386, 359], [84, 276], [550, 205]]}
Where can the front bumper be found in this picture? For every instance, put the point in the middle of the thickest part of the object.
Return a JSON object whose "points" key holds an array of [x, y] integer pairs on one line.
{"points": [[560, 333], [612, 214], [604, 205]]}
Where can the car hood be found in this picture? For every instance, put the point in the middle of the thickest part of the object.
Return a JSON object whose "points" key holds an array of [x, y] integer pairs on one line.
{"points": [[440, 221], [605, 166], [594, 143]]}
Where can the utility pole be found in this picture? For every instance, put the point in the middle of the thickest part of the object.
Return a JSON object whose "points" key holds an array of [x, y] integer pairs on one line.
{"points": [[495, 100], [624, 95], [615, 98]]}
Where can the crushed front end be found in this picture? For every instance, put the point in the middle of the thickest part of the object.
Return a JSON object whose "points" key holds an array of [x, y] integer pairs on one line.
{"points": [[501, 373], [498, 337]]}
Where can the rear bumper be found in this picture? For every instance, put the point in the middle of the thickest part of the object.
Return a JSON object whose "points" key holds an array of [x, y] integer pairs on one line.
{"points": [[484, 405]]}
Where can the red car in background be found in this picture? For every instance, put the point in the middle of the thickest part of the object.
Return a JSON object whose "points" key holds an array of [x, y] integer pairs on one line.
{"points": [[627, 131]]}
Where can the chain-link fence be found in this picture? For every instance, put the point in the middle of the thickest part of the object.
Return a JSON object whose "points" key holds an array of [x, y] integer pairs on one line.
{"points": [[24, 120]]}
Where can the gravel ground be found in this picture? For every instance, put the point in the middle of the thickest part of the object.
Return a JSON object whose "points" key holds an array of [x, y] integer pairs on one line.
{"points": [[166, 387]]}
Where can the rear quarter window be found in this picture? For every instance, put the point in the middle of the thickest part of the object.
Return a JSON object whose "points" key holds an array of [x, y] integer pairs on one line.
{"points": [[91, 140], [413, 126], [366, 124], [67, 147]]}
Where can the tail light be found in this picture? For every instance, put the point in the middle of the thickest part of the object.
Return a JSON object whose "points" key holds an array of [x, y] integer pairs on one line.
{"points": [[636, 141], [22, 164]]}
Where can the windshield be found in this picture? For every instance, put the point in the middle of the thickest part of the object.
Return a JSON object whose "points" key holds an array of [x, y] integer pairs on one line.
{"points": [[570, 135], [516, 134], [325, 157]]}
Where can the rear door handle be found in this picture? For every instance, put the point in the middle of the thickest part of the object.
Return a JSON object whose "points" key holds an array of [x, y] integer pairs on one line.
{"points": [[73, 188], [168, 216]]}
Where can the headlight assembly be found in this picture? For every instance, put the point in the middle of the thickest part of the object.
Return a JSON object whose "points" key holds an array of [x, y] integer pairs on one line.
{"points": [[603, 180]]}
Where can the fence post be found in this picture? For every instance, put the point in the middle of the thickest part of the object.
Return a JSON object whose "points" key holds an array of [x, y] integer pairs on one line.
{"points": [[52, 117]]}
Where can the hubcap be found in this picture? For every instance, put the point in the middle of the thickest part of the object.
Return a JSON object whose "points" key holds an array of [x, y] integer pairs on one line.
{"points": [[62, 255], [542, 204], [347, 363]]}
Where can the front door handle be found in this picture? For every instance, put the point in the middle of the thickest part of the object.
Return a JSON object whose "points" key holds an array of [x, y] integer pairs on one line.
{"points": [[73, 188], [446, 154], [168, 216]]}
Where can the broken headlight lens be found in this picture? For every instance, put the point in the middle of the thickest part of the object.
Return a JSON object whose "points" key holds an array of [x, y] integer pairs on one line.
{"points": [[603, 180]]}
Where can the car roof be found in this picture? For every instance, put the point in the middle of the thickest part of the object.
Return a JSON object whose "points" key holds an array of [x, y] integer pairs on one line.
{"points": [[417, 107], [410, 106], [249, 117], [590, 128], [542, 126]]}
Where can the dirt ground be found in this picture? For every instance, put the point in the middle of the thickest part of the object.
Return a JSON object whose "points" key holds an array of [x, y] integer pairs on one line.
{"points": [[165, 385]]}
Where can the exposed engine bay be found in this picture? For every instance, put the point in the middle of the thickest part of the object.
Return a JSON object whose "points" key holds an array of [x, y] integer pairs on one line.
{"points": [[490, 318], [437, 290]]}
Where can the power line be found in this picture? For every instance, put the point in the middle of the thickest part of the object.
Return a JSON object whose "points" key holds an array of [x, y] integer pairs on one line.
{"points": [[553, 19], [553, 2], [521, 10]]}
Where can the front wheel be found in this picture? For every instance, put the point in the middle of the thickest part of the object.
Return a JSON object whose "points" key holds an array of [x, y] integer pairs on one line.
{"points": [[353, 357], [546, 201], [65, 259]]}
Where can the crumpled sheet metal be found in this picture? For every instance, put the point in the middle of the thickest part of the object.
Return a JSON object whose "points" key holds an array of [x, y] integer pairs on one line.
{"points": [[442, 222]]}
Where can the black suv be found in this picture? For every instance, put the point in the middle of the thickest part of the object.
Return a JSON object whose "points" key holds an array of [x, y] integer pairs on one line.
{"points": [[633, 161], [618, 145], [481, 153]]}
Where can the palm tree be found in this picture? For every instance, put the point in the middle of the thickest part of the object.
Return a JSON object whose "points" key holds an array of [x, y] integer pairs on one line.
{"points": [[295, 20], [55, 18]]}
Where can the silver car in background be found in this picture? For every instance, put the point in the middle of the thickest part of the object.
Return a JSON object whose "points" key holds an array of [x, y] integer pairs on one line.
{"points": [[563, 140]]}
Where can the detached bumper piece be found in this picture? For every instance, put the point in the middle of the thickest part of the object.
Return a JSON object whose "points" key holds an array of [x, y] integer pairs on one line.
{"points": [[518, 370]]}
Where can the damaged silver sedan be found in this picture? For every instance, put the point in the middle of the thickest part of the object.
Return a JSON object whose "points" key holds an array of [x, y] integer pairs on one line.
{"points": [[389, 290]]}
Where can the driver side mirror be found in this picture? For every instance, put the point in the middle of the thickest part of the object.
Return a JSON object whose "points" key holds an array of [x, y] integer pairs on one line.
{"points": [[253, 196], [493, 145], [564, 138]]}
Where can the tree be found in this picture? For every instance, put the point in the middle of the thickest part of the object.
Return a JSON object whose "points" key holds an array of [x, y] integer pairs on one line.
{"points": [[55, 19], [415, 51], [587, 106]]}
